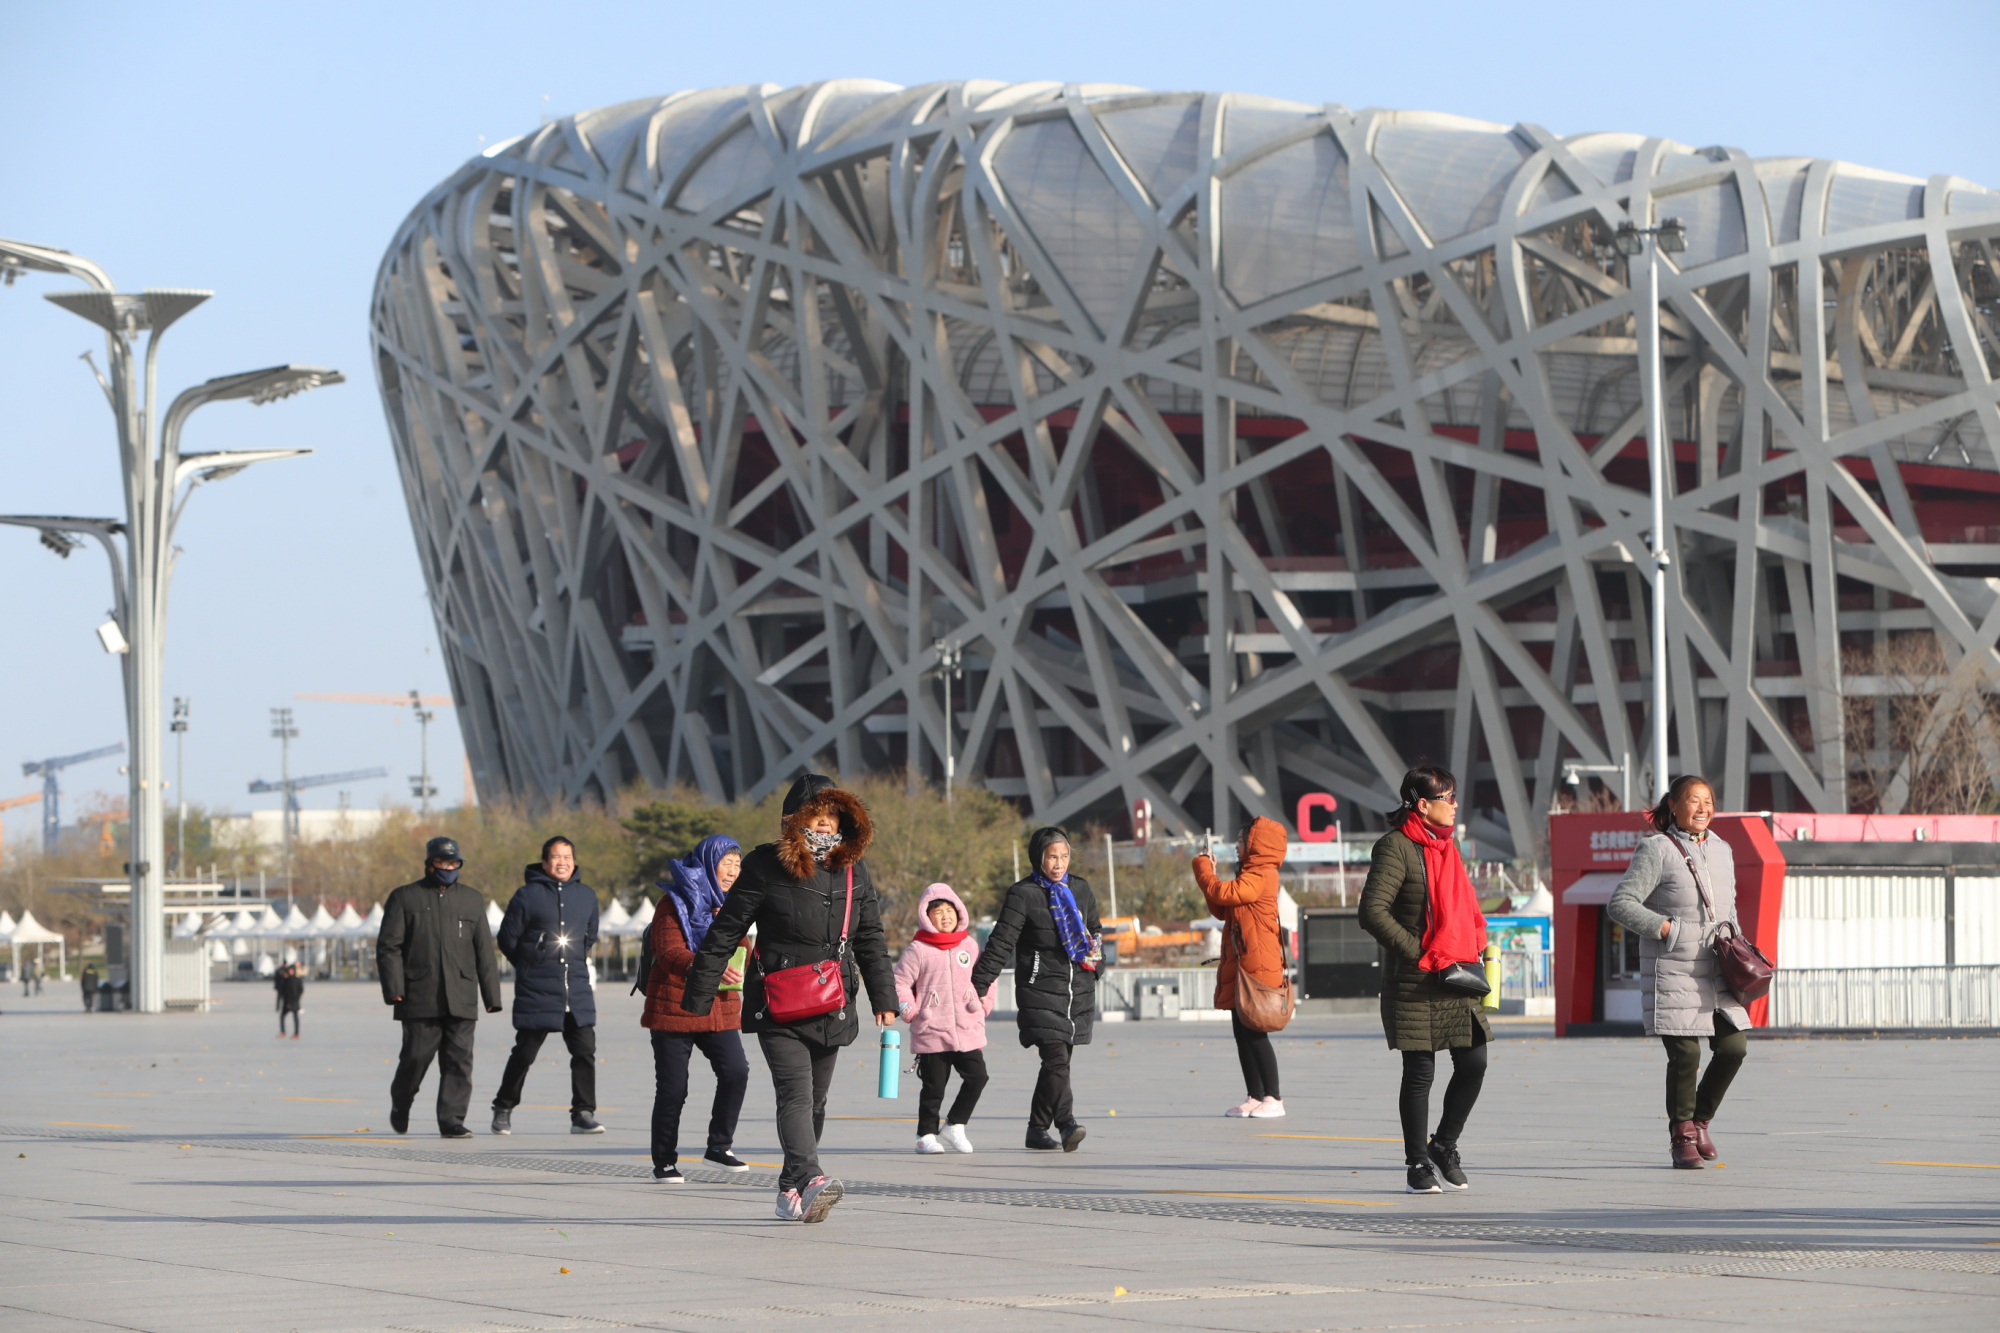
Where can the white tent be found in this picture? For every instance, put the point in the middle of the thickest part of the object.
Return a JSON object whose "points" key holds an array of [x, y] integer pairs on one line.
{"points": [[615, 921], [30, 931], [372, 926], [296, 927], [642, 920], [348, 923], [494, 916], [321, 926], [269, 926], [218, 952], [6, 927], [189, 927]]}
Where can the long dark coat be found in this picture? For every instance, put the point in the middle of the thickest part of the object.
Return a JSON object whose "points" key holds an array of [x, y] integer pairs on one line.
{"points": [[796, 907], [436, 951], [551, 979], [1419, 1013], [1054, 999]]}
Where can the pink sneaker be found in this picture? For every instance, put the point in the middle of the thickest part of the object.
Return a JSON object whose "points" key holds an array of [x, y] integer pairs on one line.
{"points": [[1246, 1110], [819, 1197], [1269, 1109], [789, 1208]]}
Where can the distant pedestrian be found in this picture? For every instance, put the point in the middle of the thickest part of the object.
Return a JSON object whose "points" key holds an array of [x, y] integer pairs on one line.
{"points": [[547, 935], [694, 891], [1248, 907], [947, 1018], [1049, 930], [435, 960], [1419, 903], [89, 979], [290, 983], [812, 900], [1678, 894]]}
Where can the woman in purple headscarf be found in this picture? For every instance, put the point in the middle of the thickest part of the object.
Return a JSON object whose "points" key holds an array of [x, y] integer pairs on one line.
{"points": [[694, 889]]}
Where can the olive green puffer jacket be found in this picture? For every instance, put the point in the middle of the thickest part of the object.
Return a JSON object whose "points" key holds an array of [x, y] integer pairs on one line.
{"points": [[1418, 1012]]}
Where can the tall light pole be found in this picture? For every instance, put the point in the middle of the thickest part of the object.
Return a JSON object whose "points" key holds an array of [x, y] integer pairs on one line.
{"points": [[1634, 241], [159, 479], [949, 668], [284, 733], [420, 786], [179, 727]]}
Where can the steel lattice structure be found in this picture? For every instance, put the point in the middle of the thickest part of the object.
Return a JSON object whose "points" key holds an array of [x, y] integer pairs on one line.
{"points": [[1248, 447]]}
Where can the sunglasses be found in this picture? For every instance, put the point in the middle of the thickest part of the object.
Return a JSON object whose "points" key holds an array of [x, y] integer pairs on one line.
{"points": [[1449, 798]]}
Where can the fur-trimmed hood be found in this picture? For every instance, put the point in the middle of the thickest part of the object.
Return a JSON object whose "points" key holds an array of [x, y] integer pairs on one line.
{"points": [[857, 830]]}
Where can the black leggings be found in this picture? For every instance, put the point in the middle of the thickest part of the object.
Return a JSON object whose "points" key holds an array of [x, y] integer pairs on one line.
{"points": [[1468, 1071], [1259, 1061]]}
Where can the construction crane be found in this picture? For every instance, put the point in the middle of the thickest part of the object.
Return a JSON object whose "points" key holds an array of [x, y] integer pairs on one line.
{"points": [[291, 787], [422, 707], [14, 803], [52, 790]]}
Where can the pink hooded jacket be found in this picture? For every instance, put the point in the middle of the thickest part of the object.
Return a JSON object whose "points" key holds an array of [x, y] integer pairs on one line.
{"points": [[934, 987]]}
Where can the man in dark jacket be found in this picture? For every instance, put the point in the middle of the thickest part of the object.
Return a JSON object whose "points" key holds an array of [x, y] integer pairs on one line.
{"points": [[547, 934], [794, 891], [290, 983], [435, 960]]}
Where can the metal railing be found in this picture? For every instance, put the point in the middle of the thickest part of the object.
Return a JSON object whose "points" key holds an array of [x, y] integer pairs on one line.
{"points": [[1886, 997], [1119, 987], [1527, 974]]}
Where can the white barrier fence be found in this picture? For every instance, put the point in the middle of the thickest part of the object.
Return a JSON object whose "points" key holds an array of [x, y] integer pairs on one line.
{"points": [[1137, 991], [1886, 997], [1527, 974]]}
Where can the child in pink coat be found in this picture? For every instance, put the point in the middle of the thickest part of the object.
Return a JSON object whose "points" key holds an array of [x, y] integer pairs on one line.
{"points": [[947, 1017]]}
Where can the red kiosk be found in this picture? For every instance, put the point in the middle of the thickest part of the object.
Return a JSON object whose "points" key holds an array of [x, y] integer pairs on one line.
{"points": [[1588, 856]]}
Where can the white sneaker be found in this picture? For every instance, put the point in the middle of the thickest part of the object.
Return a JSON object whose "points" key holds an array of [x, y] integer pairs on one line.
{"points": [[1269, 1109], [790, 1208], [928, 1143], [818, 1198], [954, 1138], [1246, 1110]]}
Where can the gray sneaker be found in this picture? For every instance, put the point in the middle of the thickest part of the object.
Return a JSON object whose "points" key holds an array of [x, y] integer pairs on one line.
{"points": [[503, 1121], [817, 1199], [581, 1123]]}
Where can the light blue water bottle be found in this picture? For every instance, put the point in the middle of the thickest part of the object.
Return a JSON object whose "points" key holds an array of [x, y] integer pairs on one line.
{"points": [[892, 1063]]}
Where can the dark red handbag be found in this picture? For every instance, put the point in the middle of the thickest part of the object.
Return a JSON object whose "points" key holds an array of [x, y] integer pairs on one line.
{"points": [[1745, 969], [811, 989]]}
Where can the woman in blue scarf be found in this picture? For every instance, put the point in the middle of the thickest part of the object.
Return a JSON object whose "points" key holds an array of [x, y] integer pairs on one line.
{"points": [[1049, 930], [694, 888]]}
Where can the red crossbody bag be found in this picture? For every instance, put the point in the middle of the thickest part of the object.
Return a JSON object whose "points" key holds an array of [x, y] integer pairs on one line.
{"points": [[810, 989]]}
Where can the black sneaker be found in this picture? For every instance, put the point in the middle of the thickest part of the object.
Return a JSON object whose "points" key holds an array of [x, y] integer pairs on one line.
{"points": [[1042, 1141], [399, 1120], [669, 1175], [454, 1132], [1423, 1180], [1444, 1156], [1072, 1136], [580, 1122], [503, 1121], [725, 1159]]}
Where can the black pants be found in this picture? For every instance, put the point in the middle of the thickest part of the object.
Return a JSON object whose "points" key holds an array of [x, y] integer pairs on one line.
{"points": [[581, 1039], [1052, 1104], [671, 1052], [933, 1072], [295, 1021], [1468, 1071], [801, 1072], [1688, 1100], [449, 1042], [89, 1001], [1259, 1060]]}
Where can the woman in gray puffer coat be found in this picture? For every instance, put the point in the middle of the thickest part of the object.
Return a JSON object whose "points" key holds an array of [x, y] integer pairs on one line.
{"points": [[1683, 997]]}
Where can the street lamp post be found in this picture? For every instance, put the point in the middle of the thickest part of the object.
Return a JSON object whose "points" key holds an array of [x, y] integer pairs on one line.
{"points": [[420, 785], [158, 479], [1634, 241], [179, 728], [950, 657]]}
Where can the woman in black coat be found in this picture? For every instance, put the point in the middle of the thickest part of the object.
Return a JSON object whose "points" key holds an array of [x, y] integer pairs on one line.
{"points": [[794, 891], [1050, 931]]}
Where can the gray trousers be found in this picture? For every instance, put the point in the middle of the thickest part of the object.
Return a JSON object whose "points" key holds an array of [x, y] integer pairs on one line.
{"points": [[801, 1072]]}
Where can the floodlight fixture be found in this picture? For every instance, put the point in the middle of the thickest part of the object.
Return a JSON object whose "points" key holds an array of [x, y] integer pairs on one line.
{"points": [[1673, 236], [1631, 242], [59, 542]]}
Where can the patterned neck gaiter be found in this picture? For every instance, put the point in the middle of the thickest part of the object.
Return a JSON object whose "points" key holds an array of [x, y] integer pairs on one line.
{"points": [[821, 845]]}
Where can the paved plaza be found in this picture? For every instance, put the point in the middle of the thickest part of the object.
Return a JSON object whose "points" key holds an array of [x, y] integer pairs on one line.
{"points": [[193, 1172]]}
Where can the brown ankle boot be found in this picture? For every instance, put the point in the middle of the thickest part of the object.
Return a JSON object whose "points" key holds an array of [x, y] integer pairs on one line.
{"points": [[1687, 1157], [1702, 1143]]}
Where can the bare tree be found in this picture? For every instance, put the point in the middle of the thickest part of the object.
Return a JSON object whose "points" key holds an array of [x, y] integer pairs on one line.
{"points": [[1923, 732]]}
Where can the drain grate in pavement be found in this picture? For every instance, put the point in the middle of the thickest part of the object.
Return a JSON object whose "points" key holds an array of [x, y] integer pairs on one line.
{"points": [[1717, 1256]]}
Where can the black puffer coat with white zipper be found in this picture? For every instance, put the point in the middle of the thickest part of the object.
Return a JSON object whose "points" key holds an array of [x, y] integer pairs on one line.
{"points": [[1054, 999]]}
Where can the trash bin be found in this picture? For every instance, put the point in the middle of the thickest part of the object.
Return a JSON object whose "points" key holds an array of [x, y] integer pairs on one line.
{"points": [[1159, 999]]}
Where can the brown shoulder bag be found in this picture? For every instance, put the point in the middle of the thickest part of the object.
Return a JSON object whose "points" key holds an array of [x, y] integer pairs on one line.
{"points": [[1262, 1008]]}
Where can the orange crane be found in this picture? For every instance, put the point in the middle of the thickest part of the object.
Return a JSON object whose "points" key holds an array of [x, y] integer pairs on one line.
{"points": [[14, 803], [422, 706]]}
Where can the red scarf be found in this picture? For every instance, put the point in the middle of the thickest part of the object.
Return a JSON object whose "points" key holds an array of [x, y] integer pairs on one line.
{"points": [[943, 939], [1456, 932]]}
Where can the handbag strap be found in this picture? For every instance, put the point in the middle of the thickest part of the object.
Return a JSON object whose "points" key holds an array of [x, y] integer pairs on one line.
{"points": [[847, 911], [1701, 890]]}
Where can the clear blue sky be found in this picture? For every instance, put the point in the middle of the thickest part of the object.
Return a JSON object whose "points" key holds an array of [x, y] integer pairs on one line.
{"points": [[269, 151]]}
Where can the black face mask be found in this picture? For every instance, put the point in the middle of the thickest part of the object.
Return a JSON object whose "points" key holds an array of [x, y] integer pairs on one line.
{"points": [[443, 876]]}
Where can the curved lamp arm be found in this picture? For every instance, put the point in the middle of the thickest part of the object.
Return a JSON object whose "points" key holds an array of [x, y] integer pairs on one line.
{"points": [[20, 256], [104, 529]]}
